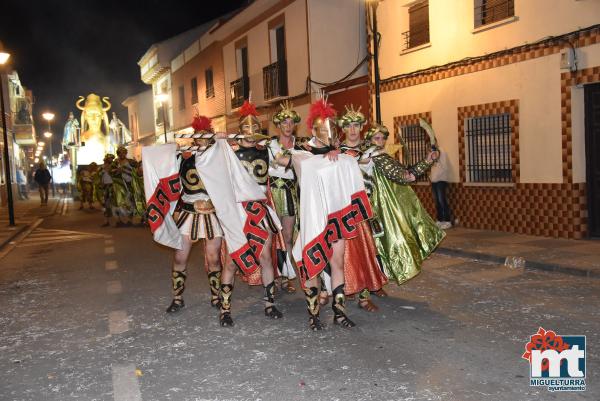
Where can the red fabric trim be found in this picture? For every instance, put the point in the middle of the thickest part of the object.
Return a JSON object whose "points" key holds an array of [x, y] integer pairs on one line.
{"points": [[340, 224], [247, 258], [167, 190]]}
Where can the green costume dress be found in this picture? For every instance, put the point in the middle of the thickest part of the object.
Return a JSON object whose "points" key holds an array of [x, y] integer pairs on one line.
{"points": [[409, 234]]}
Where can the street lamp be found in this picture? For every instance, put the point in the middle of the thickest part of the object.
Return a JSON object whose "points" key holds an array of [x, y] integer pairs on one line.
{"points": [[4, 56], [48, 135], [374, 4], [162, 98], [49, 117]]}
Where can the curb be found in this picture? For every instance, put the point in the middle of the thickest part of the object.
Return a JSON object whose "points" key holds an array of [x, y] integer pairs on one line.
{"points": [[21, 228], [529, 264], [14, 235]]}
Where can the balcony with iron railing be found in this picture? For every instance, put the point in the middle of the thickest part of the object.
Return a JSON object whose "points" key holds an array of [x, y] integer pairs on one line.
{"points": [[275, 80], [23, 124], [240, 91], [416, 37]]}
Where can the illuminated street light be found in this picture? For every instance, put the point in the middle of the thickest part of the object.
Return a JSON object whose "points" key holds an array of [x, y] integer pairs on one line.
{"points": [[48, 116], [41, 144], [36, 160]]}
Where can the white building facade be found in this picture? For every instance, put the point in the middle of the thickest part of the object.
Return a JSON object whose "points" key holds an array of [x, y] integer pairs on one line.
{"points": [[511, 88]]}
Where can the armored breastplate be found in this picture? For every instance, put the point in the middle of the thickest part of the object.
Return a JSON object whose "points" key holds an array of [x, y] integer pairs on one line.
{"points": [[256, 162], [354, 151], [319, 151], [191, 182]]}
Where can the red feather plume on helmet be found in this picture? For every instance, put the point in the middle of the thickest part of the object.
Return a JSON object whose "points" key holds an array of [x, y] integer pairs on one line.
{"points": [[319, 109], [248, 109], [202, 124]]}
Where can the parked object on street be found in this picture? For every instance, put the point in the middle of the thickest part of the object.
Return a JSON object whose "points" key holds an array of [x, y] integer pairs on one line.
{"points": [[515, 262]]}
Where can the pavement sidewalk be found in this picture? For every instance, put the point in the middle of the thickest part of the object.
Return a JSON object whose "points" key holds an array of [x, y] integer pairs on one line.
{"points": [[576, 257], [26, 213]]}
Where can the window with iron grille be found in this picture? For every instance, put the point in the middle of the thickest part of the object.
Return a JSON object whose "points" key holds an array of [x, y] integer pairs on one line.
{"points": [[416, 146], [488, 11], [194, 91], [418, 24], [488, 142], [181, 98], [208, 78]]}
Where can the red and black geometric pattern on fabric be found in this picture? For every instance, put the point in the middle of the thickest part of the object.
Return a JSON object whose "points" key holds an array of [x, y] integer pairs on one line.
{"points": [[247, 258], [340, 224], [542, 50], [167, 190], [511, 107], [549, 210]]}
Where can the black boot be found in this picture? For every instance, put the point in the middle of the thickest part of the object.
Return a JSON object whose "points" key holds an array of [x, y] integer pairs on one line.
{"points": [[312, 303], [270, 310], [225, 316], [339, 308], [214, 282], [178, 279]]}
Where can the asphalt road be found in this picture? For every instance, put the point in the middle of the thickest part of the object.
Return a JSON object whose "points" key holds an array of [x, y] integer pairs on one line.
{"points": [[83, 319]]}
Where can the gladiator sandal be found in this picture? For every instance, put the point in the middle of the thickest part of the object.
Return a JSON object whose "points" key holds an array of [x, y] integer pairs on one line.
{"points": [[214, 282], [225, 316], [339, 308], [381, 293], [312, 302], [364, 301], [178, 280], [287, 285], [269, 297], [323, 296]]}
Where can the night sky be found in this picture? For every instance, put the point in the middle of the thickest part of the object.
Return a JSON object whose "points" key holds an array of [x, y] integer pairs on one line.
{"points": [[63, 49]]}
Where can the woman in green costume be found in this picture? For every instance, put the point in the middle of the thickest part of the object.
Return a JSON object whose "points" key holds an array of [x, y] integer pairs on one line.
{"points": [[409, 234]]}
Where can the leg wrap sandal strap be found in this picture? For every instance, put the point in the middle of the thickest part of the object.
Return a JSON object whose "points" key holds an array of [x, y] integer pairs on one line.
{"points": [[214, 282], [339, 308], [178, 282], [225, 316], [176, 306], [269, 297], [312, 303], [364, 301]]}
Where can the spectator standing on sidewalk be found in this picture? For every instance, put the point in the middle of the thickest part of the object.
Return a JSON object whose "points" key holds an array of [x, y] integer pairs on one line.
{"points": [[43, 178], [439, 176], [22, 184]]}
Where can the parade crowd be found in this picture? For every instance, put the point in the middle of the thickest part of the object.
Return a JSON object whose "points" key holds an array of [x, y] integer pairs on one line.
{"points": [[117, 185]]}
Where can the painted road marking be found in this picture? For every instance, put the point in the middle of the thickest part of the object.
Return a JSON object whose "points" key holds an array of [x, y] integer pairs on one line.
{"points": [[13, 244], [65, 206], [114, 287], [109, 241], [118, 322], [111, 265], [109, 250], [125, 383], [43, 236]]}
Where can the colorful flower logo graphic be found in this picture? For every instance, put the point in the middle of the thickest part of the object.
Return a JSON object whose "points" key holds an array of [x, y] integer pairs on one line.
{"points": [[544, 340]]}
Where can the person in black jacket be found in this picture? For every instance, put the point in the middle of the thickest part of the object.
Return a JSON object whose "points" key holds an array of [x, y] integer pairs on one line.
{"points": [[43, 178]]}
